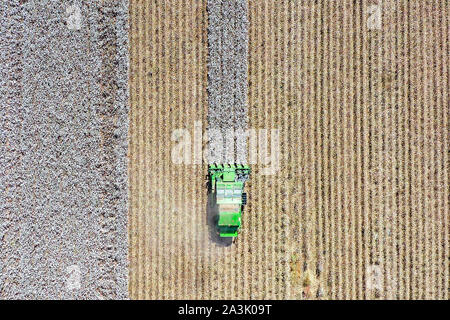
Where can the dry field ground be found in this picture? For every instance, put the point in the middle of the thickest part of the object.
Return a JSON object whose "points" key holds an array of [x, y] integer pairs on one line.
{"points": [[360, 207]]}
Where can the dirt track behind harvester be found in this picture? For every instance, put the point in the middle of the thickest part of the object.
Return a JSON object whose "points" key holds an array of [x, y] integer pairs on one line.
{"points": [[359, 208]]}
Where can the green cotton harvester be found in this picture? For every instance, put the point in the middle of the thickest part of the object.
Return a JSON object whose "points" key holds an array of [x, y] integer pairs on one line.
{"points": [[227, 183]]}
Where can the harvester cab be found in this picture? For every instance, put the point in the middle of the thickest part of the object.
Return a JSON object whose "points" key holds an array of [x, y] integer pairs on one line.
{"points": [[227, 183]]}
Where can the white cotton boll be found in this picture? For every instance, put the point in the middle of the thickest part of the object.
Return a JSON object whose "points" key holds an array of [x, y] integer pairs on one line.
{"points": [[227, 72], [58, 171]]}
